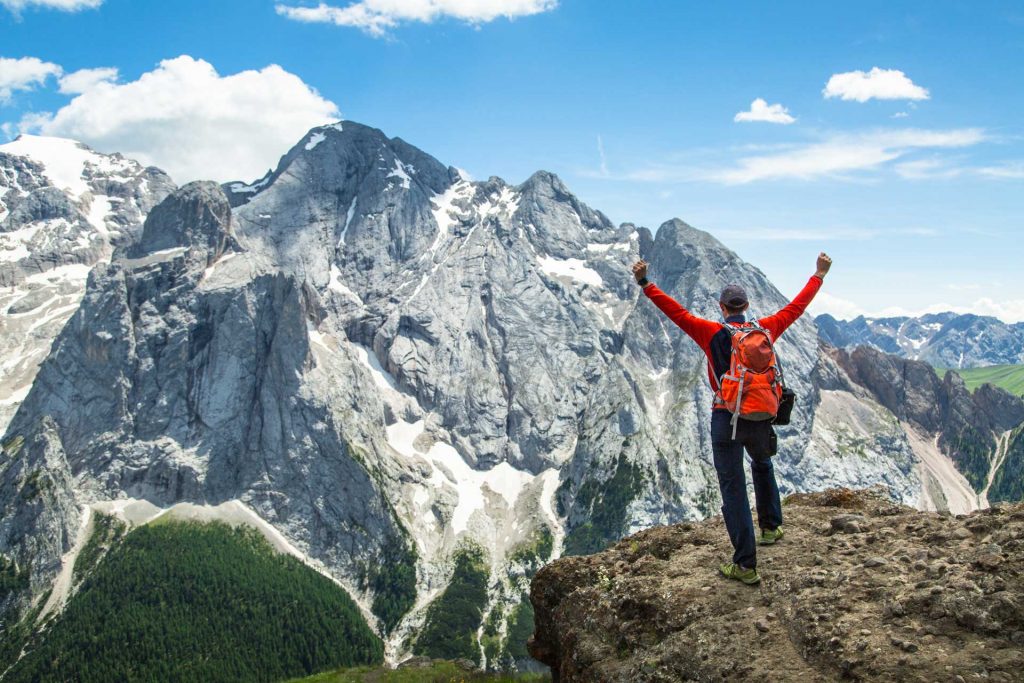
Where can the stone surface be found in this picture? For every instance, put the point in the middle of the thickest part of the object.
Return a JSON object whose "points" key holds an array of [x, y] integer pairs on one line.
{"points": [[640, 611]]}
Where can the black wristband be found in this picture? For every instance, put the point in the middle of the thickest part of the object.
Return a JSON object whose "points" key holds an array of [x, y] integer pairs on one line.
{"points": [[643, 282]]}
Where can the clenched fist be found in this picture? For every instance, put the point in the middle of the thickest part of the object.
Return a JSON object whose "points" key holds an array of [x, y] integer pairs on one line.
{"points": [[824, 263], [640, 270]]}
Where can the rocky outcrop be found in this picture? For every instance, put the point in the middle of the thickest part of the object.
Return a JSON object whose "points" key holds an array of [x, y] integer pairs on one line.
{"points": [[859, 589]]}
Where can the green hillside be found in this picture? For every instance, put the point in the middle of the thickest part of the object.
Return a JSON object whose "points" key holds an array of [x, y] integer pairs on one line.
{"points": [[436, 672], [1008, 377], [182, 601]]}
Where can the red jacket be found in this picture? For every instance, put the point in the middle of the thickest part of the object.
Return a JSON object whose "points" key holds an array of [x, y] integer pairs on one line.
{"points": [[714, 339]]}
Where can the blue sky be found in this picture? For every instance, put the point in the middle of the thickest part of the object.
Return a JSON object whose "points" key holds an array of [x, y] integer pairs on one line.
{"points": [[920, 201]]}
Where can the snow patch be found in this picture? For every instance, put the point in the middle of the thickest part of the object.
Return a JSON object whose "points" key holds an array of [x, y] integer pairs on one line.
{"points": [[336, 285], [219, 262], [155, 257], [573, 268], [99, 209], [63, 160], [314, 140], [349, 215], [506, 202], [605, 248], [450, 467], [401, 171]]}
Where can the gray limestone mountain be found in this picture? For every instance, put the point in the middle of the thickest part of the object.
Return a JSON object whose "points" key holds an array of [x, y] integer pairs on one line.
{"points": [[63, 208], [946, 340], [386, 362]]}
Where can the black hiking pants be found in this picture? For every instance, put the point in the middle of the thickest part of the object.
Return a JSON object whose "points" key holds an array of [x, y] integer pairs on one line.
{"points": [[728, 455]]}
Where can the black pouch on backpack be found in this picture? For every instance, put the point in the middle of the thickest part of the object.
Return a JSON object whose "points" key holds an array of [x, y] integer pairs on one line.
{"points": [[785, 407]]}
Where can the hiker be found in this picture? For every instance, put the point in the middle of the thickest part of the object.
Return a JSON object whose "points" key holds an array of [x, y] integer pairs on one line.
{"points": [[750, 427]]}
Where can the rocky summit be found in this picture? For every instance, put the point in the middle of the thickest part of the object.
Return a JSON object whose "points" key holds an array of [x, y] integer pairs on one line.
{"points": [[860, 588]]}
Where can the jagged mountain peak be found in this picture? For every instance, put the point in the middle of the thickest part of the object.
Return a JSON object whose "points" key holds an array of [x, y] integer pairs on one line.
{"points": [[350, 150], [197, 215]]}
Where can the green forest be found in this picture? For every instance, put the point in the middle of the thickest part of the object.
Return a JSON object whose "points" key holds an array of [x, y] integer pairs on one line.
{"points": [[182, 601], [450, 629]]}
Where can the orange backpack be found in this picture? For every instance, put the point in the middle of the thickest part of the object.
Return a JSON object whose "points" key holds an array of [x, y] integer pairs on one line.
{"points": [[752, 389]]}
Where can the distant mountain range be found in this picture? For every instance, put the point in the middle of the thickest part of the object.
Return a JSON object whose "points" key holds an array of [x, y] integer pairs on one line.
{"points": [[945, 340]]}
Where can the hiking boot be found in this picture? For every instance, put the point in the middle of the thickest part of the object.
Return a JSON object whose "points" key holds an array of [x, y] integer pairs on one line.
{"points": [[731, 570], [769, 536]]}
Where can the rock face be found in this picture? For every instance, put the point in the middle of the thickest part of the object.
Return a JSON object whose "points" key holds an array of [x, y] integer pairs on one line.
{"points": [[63, 208], [979, 432], [946, 340], [385, 361], [859, 589]]}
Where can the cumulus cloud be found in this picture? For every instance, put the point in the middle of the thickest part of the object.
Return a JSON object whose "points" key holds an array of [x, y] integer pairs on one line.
{"points": [[64, 5], [23, 73], [760, 110], [189, 120], [83, 80], [877, 84], [844, 154], [375, 17]]}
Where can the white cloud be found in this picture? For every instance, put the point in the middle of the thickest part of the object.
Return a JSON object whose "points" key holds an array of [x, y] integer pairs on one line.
{"points": [[23, 73], [836, 306], [844, 154], [84, 80], [760, 110], [65, 5], [1007, 171], [900, 115], [877, 84], [375, 17], [927, 169], [604, 159], [192, 122]]}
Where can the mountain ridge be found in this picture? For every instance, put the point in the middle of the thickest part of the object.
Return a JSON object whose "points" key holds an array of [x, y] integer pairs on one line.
{"points": [[946, 340]]}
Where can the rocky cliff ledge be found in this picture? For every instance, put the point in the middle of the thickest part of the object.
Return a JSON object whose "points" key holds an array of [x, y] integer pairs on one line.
{"points": [[860, 589]]}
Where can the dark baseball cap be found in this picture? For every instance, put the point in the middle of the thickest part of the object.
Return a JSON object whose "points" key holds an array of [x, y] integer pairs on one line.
{"points": [[733, 296]]}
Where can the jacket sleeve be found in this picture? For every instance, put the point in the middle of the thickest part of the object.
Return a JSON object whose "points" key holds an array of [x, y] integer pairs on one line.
{"points": [[778, 323], [699, 329]]}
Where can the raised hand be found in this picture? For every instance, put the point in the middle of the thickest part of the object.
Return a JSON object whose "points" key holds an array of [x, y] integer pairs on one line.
{"points": [[824, 263], [640, 270]]}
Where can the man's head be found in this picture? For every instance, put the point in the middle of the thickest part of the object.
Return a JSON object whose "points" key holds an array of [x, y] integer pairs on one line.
{"points": [[733, 300]]}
